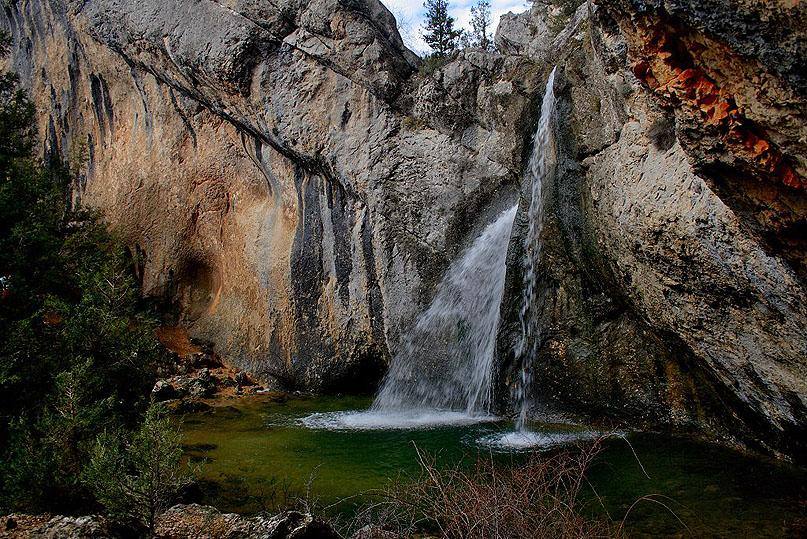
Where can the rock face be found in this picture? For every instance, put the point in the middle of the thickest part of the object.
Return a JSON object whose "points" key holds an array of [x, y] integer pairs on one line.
{"points": [[292, 183], [179, 522], [672, 282], [279, 174], [17, 526], [206, 522]]}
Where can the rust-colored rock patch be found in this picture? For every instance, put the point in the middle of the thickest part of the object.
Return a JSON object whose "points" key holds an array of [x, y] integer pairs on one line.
{"points": [[669, 67]]}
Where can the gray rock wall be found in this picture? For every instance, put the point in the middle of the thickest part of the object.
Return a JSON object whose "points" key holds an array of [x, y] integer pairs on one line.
{"points": [[660, 305], [269, 164], [296, 187]]}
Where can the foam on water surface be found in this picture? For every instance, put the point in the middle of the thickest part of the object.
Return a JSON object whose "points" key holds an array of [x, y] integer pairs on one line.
{"points": [[525, 439], [382, 420]]}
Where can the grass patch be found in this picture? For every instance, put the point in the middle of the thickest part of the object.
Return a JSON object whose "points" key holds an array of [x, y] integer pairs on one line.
{"points": [[433, 63], [412, 123]]}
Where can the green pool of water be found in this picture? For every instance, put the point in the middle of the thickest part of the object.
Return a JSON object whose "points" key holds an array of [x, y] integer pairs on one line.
{"points": [[254, 453]]}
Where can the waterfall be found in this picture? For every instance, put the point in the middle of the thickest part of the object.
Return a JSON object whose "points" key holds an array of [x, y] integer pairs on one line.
{"points": [[446, 360], [443, 373], [538, 169]]}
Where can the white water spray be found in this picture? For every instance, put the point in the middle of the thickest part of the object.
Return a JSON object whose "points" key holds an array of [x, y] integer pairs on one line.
{"points": [[446, 361], [539, 167]]}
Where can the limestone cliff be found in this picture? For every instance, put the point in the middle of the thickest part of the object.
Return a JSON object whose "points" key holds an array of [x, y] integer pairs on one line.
{"points": [[263, 161], [295, 185], [673, 279]]}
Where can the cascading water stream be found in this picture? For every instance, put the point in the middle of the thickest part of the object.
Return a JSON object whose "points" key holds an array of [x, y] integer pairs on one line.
{"points": [[446, 361], [443, 373], [539, 167]]}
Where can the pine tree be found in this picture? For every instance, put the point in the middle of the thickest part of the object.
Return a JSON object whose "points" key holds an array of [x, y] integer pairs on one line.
{"points": [[138, 477], [77, 347], [480, 22], [439, 32]]}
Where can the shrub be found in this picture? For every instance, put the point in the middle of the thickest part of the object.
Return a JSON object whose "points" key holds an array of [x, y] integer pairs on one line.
{"points": [[537, 499], [432, 63], [413, 123], [662, 133], [137, 477]]}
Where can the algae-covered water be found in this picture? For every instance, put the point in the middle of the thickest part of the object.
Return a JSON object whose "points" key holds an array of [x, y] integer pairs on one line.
{"points": [[257, 451]]}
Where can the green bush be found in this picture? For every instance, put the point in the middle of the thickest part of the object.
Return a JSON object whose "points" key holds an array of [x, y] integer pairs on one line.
{"points": [[78, 352], [413, 123], [432, 63], [138, 477]]}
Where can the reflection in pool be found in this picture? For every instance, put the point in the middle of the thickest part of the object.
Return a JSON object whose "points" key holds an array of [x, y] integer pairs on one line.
{"points": [[252, 445]]}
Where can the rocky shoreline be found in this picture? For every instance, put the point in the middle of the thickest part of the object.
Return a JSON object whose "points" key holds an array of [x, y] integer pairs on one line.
{"points": [[197, 373], [178, 522]]}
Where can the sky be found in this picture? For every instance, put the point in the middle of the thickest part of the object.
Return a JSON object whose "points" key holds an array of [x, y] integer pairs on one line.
{"points": [[409, 14]]}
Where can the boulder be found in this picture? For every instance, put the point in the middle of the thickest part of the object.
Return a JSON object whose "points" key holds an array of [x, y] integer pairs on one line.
{"points": [[19, 526], [207, 522], [163, 391], [242, 379]]}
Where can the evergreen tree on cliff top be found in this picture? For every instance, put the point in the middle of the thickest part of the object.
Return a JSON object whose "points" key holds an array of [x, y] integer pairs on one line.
{"points": [[480, 23], [439, 32]]}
